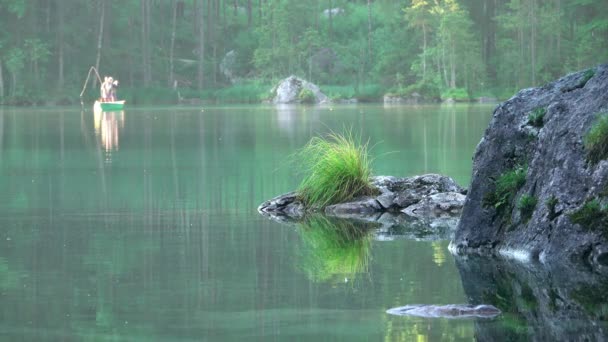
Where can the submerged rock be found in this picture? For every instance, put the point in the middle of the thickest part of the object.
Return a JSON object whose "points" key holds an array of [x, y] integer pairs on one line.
{"points": [[533, 149], [428, 205], [446, 311]]}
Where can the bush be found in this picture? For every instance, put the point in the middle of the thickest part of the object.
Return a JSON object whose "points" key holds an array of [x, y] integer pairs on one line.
{"points": [[251, 92], [338, 92], [551, 204], [338, 170], [526, 206], [536, 117], [596, 140], [369, 93], [506, 187], [307, 96], [591, 216], [427, 90], [457, 94]]}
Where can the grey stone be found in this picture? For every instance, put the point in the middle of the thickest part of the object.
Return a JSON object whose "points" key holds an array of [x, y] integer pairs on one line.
{"points": [[441, 195], [557, 168], [288, 91]]}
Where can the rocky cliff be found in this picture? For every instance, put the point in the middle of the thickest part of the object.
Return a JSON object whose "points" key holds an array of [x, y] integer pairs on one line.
{"points": [[538, 190]]}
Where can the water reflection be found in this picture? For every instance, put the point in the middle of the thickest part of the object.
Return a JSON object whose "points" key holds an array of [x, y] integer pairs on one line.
{"points": [[107, 128], [565, 303], [334, 250]]}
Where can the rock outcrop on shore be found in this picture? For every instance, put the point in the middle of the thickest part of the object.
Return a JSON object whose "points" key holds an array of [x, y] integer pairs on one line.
{"points": [[296, 90], [532, 173]]}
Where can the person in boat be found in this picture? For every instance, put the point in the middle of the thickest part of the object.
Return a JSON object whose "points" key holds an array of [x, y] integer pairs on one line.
{"points": [[113, 87], [105, 96], [108, 89]]}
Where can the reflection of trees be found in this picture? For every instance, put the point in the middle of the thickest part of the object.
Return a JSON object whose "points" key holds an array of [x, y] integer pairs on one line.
{"points": [[334, 249]]}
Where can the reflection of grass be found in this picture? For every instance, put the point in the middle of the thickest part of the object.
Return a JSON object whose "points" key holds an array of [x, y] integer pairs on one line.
{"points": [[338, 170], [333, 248]]}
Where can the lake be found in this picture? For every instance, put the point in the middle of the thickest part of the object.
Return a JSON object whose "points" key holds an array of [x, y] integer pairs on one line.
{"points": [[142, 225]]}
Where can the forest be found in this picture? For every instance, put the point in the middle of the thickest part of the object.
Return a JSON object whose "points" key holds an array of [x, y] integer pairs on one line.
{"points": [[222, 51]]}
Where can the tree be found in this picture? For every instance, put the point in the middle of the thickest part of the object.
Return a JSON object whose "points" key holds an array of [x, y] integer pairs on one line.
{"points": [[418, 15]]}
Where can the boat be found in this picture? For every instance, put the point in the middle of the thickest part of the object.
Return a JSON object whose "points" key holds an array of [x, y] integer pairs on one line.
{"points": [[108, 106]]}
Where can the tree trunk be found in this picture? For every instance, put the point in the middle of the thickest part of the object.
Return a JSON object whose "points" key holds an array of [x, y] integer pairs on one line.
{"points": [[423, 51], [60, 46], [452, 64], [145, 39], [330, 21], [172, 48], [532, 18], [1, 81], [369, 31], [249, 14], [201, 45], [100, 38]]}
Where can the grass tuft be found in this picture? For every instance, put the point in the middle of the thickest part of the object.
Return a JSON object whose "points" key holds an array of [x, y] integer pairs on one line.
{"points": [[551, 204], [535, 118], [589, 73], [526, 206], [591, 216], [596, 140], [338, 169], [507, 186]]}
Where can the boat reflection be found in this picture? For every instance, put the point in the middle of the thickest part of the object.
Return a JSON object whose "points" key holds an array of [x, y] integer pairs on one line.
{"points": [[107, 129]]}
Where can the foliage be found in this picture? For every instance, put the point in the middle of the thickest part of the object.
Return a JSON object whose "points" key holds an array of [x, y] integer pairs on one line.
{"points": [[426, 89], [334, 248], [371, 48], [506, 187], [596, 140], [307, 96], [457, 94], [338, 169], [526, 206], [551, 204], [587, 75], [591, 216], [251, 92], [536, 117]]}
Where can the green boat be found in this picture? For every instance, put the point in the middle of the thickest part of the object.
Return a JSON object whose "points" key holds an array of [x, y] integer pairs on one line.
{"points": [[109, 106]]}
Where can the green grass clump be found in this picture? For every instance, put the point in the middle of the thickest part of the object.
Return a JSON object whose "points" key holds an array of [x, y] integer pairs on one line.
{"points": [[333, 249], [551, 204], [591, 216], [589, 73], [596, 140], [507, 186], [526, 206], [535, 118], [338, 169], [307, 96]]}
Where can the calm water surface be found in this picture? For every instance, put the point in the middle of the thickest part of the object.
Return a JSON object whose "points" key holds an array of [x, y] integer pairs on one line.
{"points": [[142, 225]]}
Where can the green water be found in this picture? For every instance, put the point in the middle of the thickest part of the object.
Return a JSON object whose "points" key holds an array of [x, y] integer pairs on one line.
{"points": [[142, 225]]}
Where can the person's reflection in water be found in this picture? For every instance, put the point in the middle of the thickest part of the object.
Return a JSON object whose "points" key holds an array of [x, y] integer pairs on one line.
{"points": [[107, 128]]}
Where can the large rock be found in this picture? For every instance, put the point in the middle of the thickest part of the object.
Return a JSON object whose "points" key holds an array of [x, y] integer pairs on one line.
{"points": [[424, 207], [228, 66], [558, 175], [289, 90]]}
